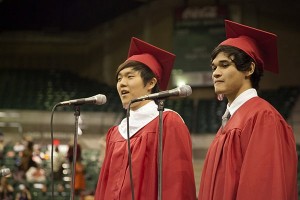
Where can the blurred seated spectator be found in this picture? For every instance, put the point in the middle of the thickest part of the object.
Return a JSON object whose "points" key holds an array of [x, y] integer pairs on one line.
{"points": [[10, 154], [79, 185], [6, 149], [58, 160], [37, 154], [6, 190], [18, 147], [89, 197], [23, 193], [61, 190], [26, 157], [2, 146], [70, 153], [24, 161], [36, 174]]}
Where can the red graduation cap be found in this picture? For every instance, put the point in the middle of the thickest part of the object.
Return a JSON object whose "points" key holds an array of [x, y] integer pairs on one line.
{"points": [[259, 45], [158, 60]]}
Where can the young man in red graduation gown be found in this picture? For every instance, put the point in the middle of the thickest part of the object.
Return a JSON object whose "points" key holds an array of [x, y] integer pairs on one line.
{"points": [[253, 156], [146, 70]]}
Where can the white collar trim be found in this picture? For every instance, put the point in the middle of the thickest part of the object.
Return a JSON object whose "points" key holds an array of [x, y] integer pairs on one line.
{"points": [[138, 119], [241, 99]]}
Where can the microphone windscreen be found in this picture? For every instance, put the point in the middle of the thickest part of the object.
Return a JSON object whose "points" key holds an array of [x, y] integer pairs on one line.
{"points": [[185, 90], [100, 99]]}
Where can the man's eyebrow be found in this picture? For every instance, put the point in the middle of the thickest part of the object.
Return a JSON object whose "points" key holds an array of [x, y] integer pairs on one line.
{"points": [[220, 61], [126, 73]]}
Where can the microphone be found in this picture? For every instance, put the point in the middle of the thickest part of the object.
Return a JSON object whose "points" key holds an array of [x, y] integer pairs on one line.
{"points": [[98, 99], [181, 91], [5, 172]]}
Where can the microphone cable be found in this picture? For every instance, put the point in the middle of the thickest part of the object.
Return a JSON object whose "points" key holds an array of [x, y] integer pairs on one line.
{"points": [[129, 152], [52, 145]]}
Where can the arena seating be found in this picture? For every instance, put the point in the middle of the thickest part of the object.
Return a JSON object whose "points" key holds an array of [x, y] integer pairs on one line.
{"points": [[34, 89]]}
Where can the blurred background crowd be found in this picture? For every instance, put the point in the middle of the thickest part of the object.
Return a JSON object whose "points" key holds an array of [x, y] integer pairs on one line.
{"points": [[31, 172]]}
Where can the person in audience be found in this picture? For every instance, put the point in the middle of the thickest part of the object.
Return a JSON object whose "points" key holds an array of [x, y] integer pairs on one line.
{"points": [[6, 189], [58, 160], [60, 188], [23, 193], [253, 155], [37, 154], [146, 70], [18, 147], [36, 174], [2, 147], [80, 184], [70, 154], [26, 157]]}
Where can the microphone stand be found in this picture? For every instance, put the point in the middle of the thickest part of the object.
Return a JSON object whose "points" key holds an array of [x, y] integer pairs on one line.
{"points": [[76, 114], [129, 152], [160, 146]]}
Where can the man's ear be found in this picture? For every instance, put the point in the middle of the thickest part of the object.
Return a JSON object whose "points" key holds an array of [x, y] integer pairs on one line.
{"points": [[251, 70], [152, 83]]}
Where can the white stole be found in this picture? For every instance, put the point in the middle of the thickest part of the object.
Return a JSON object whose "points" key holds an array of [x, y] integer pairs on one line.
{"points": [[138, 119]]}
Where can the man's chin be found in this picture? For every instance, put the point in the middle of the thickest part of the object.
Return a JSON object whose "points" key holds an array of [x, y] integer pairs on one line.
{"points": [[219, 92]]}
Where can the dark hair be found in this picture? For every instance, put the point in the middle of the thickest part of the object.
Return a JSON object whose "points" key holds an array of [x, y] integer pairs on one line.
{"points": [[145, 71], [242, 62]]}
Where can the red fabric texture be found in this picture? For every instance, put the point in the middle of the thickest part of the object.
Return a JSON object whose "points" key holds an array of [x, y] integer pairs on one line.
{"points": [[253, 158], [178, 176]]}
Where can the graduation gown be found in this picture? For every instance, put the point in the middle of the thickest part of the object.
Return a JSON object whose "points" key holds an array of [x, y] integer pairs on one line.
{"points": [[177, 176], [252, 158]]}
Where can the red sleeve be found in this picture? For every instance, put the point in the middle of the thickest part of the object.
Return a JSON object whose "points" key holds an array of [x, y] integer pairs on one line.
{"points": [[103, 177], [178, 175], [269, 169]]}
